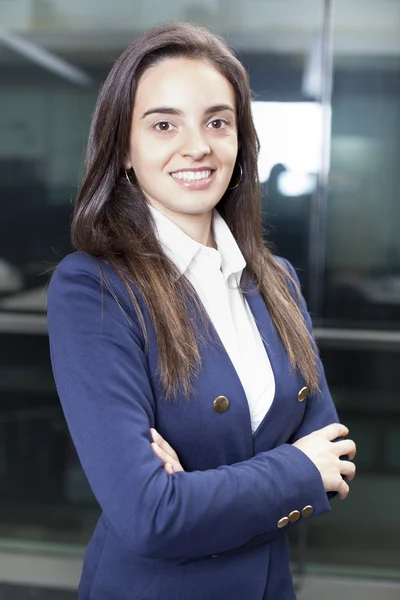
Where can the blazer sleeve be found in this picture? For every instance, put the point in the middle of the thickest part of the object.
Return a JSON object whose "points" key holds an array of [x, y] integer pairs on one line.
{"points": [[320, 409], [101, 373]]}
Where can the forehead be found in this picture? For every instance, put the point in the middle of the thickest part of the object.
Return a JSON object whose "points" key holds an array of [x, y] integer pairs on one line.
{"points": [[182, 82]]}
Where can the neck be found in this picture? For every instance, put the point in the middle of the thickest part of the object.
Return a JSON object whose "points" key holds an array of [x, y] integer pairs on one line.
{"points": [[196, 226]]}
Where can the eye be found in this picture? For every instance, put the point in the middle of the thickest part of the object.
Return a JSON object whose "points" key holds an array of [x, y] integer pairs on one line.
{"points": [[218, 124], [164, 126]]}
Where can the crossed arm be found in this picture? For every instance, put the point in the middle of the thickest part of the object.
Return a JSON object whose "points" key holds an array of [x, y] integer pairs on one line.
{"points": [[319, 446], [102, 377]]}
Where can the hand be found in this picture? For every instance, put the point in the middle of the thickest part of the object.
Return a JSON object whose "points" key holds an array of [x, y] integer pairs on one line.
{"points": [[166, 453], [325, 454]]}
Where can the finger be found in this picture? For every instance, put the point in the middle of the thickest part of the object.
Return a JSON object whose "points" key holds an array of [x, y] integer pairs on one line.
{"points": [[335, 430], [348, 469], [343, 490], [168, 468], [156, 449], [345, 448], [166, 458], [160, 453], [158, 439]]}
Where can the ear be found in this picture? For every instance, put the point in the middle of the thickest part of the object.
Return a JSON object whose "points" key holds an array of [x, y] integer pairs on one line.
{"points": [[127, 162]]}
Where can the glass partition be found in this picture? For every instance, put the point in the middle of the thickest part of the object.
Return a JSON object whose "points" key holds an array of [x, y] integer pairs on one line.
{"points": [[358, 323]]}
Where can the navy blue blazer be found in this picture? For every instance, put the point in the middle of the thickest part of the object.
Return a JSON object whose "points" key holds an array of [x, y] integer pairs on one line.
{"points": [[215, 530]]}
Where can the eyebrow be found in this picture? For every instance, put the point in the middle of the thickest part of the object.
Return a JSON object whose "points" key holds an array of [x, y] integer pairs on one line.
{"points": [[167, 110]]}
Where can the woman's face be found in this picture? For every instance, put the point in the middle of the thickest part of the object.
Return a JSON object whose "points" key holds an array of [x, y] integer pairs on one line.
{"points": [[183, 141]]}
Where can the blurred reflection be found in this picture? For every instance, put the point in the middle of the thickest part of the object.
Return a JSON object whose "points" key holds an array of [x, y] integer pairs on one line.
{"points": [[363, 252], [287, 215], [26, 226], [290, 139], [289, 133]]}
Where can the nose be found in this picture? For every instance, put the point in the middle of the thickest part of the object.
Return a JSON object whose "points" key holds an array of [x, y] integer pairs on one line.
{"points": [[195, 144]]}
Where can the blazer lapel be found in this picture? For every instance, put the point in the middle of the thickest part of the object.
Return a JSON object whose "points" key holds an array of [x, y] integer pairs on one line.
{"points": [[273, 346]]}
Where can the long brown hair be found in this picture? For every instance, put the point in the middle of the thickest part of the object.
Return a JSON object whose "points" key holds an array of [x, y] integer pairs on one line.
{"points": [[112, 219]]}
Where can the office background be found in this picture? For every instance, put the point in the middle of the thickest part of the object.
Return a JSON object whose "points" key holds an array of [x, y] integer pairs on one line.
{"points": [[326, 81]]}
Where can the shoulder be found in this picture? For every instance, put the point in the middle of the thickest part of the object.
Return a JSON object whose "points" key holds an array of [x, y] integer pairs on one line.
{"points": [[289, 271], [77, 265], [82, 280], [293, 283], [286, 266], [83, 269], [74, 274]]}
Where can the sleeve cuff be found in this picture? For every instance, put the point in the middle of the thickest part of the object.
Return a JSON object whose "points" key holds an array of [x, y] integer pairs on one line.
{"points": [[303, 494]]}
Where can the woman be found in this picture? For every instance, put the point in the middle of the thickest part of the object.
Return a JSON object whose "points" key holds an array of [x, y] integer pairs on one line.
{"points": [[181, 347]]}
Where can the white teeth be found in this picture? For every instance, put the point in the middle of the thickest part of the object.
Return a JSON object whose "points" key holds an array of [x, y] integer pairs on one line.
{"points": [[191, 175]]}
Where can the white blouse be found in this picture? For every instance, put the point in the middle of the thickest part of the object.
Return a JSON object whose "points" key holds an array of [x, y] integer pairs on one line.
{"points": [[215, 275]]}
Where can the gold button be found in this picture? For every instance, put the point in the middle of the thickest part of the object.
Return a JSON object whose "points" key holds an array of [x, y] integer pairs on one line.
{"points": [[221, 404], [283, 522], [294, 516], [307, 511], [302, 395]]}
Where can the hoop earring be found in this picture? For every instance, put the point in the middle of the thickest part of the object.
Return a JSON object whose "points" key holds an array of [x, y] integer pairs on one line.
{"points": [[127, 176], [240, 180]]}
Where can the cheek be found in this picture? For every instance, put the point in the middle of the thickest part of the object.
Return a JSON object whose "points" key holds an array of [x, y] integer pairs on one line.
{"points": [[228, 151], [147, 157]]}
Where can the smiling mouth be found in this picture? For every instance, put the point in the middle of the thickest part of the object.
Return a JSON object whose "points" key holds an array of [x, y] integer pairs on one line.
{"points": [[192, 175]]}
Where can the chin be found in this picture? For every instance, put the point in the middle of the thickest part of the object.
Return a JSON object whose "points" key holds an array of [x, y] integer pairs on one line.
{"points": [[198, 208], [192, 205]]}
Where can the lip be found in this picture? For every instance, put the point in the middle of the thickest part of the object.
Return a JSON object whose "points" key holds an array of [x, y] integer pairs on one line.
{"points": [[196, 184], [194, 169]]}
